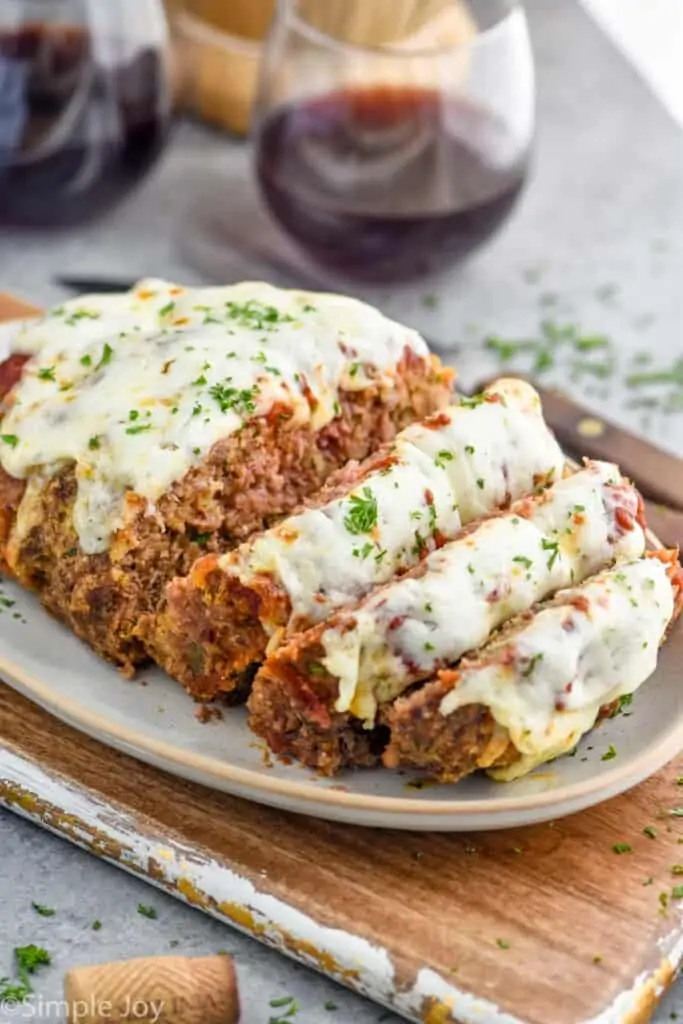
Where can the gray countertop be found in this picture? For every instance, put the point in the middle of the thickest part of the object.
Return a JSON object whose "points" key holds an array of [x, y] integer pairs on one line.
{"points": [[596, 241]]}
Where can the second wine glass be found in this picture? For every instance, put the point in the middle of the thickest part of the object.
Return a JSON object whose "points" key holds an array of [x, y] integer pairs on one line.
{"points": [[388, 160]]}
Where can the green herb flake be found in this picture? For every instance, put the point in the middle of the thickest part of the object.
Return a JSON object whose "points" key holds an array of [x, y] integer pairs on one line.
{"points": [[96, 926], [229, 398], [200, 381], [621, 848], [552, 546], [362, 516], [609, 754], [94, 442], [168, 308], [42, 910], [502, 944], [46, 373], [330, 1006], [470, 449], [442, 457], [650, 831], [106, 357], [11, 439], [139, 429], [523, 560], [677, 892], [86, 360], [472, 401], [147, 911], [531, 664], [481, 483]]}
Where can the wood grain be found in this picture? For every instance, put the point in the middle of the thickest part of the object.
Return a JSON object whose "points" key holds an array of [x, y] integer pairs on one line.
{"points": [[518, 918]]}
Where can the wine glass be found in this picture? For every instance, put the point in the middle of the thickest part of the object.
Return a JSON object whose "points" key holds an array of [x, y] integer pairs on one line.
{"points": [[393, 138], [85, 105]]}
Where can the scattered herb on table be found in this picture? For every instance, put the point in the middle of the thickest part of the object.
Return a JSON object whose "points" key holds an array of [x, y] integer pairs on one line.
{"points": [[609, 754], [650, 831], [621, 848], [44, 911], [147, 911]]}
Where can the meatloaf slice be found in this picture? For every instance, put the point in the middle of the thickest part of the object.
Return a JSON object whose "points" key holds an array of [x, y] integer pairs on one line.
{"points": [[374, 521], [532, 693], [148, 428], [332, 679]]}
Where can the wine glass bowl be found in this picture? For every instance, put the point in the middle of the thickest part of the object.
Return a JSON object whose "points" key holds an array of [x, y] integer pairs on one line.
{"points": [[85, 106], [389, 161]]}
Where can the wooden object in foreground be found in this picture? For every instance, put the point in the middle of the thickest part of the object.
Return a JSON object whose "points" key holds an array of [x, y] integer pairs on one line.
{"points": [[173, 989], [530, 926]]}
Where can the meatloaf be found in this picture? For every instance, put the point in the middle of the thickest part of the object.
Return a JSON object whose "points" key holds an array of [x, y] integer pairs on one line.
{"points": [[147, 428], [532, 693], [373, 521], [317, 697]]}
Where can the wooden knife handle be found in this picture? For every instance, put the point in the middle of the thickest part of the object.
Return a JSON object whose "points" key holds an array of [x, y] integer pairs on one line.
{"points": [[658, 475], [583, 432]]}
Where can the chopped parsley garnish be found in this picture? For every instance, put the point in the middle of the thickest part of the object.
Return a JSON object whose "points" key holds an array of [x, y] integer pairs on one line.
{"points": [[139, 428], [363, 552], [46, 373], [308, 308], [229, 398], [502, 944], [609, 754], [472, 401], [147, 911], [428, 646], [133, 414], [531, 664], [470, 449], [523, 560], [471, 570], [168, 308], [11, 439], [292, 1008], [554, 547], [329, 1005], [29, 959], [201, 538], [200, 381], [362, 516], [106, 357], [428, 606], [650, 831], [442, 457], [256, 315], [260, 357], [481, 483], [621, 848], [353, 369], [81, 314], [44, 911], [97, 926], [86, 360]]}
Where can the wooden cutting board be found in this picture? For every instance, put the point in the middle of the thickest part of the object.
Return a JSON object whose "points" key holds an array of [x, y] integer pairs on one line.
{"points": [[542, 925]]}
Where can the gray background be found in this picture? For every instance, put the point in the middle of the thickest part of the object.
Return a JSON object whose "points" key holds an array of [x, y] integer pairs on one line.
{"points": [[605, 209]]}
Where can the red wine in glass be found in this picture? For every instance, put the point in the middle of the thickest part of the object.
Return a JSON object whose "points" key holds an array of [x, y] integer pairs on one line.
{"points": [[388, 183], [81, 122]]}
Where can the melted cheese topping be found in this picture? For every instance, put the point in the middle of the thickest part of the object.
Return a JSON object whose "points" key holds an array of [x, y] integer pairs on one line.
{"points": [[135, 389], [466, 462], [471, 586], [546, 683]]}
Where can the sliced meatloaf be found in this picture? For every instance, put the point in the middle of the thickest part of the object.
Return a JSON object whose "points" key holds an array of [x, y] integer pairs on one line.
{"points": [[317, 697], [372, 522], [147, 428], [531, 694]]}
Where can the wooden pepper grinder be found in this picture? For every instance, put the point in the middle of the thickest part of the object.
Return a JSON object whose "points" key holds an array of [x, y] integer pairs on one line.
{"points": [[154, 990]]}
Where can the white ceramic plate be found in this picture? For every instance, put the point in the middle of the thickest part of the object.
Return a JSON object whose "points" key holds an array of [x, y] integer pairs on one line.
{"points": [[153, 719]]}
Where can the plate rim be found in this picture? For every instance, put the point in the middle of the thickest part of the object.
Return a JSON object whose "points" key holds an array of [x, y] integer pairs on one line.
{"points": [[614, 780]]}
